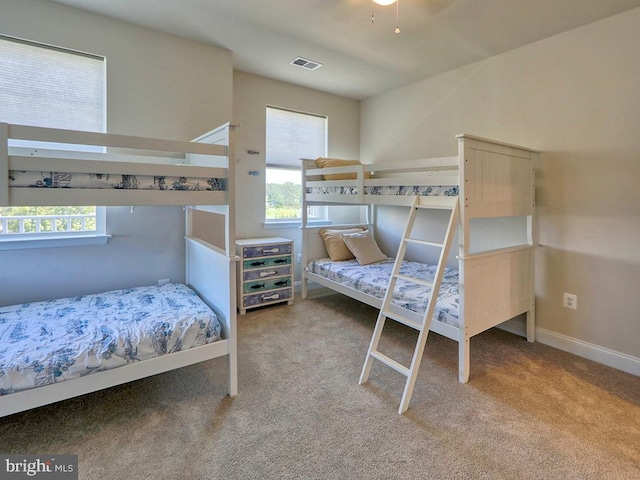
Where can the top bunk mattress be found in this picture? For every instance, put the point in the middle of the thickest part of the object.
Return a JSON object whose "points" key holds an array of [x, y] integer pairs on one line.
{"points": [[43, 179], [48, 342], [420, 190], [373, 280]]}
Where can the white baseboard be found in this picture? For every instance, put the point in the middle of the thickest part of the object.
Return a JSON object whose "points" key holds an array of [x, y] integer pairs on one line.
{"points": [[611, 358]]}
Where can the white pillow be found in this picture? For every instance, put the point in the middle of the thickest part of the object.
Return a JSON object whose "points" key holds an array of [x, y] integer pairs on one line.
{"points": [[364, 247]]}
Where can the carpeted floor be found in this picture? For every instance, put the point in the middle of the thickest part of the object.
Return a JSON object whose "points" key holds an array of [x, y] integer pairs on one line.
{"points": [[528, 412]]}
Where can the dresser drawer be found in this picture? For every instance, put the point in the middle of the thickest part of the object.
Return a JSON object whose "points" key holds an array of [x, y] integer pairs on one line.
{"points": [[266, 297], [266, 262], [266, 250], [262, 285], [266, 273]]}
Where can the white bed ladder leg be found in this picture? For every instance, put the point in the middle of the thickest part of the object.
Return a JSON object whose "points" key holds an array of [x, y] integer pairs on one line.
{"points": [[386, 311]]}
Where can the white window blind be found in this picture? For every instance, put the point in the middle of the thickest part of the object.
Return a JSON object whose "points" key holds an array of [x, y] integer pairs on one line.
{"points": [[292, 136], [46, 86]]}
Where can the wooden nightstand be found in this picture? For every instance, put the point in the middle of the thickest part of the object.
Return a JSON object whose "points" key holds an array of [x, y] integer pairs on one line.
{"points": [[265, 272]]}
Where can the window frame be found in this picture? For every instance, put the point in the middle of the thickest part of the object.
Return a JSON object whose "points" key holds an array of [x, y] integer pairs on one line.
{"points": [[321, 217]]}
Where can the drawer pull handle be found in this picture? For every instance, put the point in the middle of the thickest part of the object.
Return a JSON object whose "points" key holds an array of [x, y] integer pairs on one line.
{"points": [[271, 297], [266, 274], [270, 250]]}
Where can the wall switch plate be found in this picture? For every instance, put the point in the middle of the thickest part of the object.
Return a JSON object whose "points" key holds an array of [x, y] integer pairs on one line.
{"points": [[569, 300]]}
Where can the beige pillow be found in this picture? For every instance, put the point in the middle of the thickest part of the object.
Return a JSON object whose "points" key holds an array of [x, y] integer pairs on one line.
{"points": [[335, 245], [336, 162], [364, 247]]}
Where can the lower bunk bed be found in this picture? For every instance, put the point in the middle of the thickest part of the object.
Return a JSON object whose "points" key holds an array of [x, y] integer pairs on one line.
{"points": [[369, 283], [62, 348]]}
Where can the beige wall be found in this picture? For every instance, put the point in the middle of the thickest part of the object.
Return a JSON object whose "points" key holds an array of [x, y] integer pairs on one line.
{"points": [[251, 95], [576, 97], [157, 85]]}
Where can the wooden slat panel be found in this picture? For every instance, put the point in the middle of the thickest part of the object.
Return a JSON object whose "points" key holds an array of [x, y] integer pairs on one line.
{"points": [[497, 183], [71, 197], [413, 180], [497, 287], [321, 199], [33, 163], [331, 183], [22, 132]]}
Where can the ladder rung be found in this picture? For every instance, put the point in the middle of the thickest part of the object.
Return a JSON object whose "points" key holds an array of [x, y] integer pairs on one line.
{"points": [[424, 242], [398, 367], [419, 281], [403, 320]]}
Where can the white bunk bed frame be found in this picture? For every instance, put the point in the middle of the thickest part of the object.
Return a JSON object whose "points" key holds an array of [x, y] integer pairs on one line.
{"points": [[494, 179], [210, 265]]}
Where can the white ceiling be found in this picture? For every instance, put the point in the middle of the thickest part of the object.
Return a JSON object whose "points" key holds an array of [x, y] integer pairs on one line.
{"points": [[360, 59]]}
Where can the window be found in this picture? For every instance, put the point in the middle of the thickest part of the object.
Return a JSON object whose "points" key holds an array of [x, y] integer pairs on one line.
{"points": [[290, 137], [47, 86]]}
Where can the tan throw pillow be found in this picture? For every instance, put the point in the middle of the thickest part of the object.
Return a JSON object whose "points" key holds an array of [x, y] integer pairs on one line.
{"points": [[364, 247], [336, 162], [335, 245]]}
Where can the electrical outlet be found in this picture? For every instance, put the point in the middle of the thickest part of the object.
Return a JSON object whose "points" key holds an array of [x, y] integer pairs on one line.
{"points": [[299, 257], [164, 281], [569, 300]]}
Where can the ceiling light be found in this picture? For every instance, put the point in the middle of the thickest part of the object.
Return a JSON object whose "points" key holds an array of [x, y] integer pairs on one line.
{"points": [[386, 3]]}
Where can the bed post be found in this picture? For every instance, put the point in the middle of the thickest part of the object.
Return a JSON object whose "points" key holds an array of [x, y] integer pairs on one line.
{"points": [[533, 240], [464, 339], [304, 285], [230, 224]]}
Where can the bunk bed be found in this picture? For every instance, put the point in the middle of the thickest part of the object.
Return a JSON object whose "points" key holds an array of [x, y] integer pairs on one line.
{"points": [[76, 343], [485, 180]]}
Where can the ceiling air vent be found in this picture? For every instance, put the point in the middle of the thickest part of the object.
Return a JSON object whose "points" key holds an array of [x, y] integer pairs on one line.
{"points": [[305, 63]]}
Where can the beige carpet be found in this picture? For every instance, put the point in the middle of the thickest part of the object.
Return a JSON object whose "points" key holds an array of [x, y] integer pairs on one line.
{"points": [[528, 412]]}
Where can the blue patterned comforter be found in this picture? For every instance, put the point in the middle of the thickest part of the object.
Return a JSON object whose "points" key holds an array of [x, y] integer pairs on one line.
{"points": [[49, 342], [373, 279], [423, 191], [29, 179]]}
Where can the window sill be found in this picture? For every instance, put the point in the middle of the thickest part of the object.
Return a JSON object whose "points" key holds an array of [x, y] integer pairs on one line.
{"points": [[295, 224], [52, 242]]}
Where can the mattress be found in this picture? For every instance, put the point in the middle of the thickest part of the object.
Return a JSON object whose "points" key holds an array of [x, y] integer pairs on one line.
{"points": [[31, 179], [442, 190], [48, 342], [373, 280]]}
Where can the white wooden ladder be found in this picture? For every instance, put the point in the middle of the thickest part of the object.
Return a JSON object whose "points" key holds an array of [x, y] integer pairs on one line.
{"points": [[387, 310]]}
